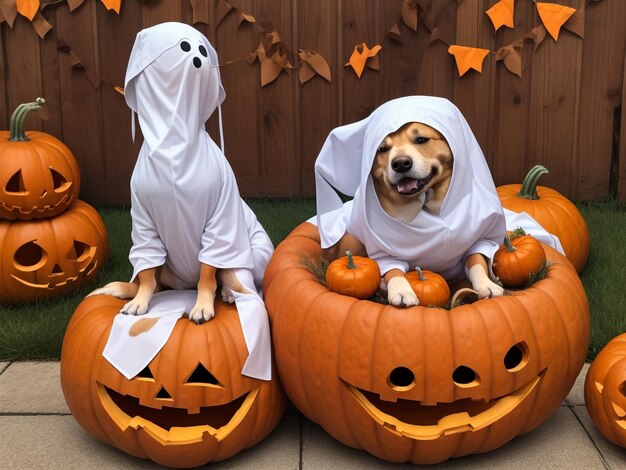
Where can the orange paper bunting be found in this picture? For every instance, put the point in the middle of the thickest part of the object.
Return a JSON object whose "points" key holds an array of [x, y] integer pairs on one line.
{"points": [[27, 8], [312, 64], [553, 16], [501, 14], [273, 56], [360, 56], [112, 5], [468, 58]]}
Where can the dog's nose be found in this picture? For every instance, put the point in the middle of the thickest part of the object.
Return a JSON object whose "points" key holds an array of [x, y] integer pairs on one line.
{"points": [[401, 164]]}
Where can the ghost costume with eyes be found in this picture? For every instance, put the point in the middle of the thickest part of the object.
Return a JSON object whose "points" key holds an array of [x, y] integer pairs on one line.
{"points": [[185, 204], [471, 219]]}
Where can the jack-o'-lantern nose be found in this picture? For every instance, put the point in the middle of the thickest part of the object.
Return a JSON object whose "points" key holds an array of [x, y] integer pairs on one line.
{"points": [[163, 394], [56, 270]]}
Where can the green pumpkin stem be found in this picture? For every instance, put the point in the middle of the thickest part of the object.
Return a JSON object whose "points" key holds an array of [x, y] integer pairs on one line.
{"points": [[351, 264], [16, 124], [529, 186], [420, 274], [507, 243]]}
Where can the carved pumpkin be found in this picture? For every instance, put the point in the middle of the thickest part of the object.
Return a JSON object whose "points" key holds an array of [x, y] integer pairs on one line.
{"points": [[51, 257], [605, 391], [39, 176], [421, 384], [517, 259], [356, 276], [431, 289], [553, 211], [190, 406]]}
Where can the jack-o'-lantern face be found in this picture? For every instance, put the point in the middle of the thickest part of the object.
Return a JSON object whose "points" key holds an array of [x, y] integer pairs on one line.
{"points": [[43, 258], [191, 405], [39, 176], [423, 384], [605, 390]]}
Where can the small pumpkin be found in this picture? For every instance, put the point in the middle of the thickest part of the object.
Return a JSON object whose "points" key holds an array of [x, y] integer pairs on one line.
{"points": [[356, 276], [605, 391], [517, 259], [44, 258], [39, 176], [431, 289], [189, 406], [421, 384], [553, 211]]}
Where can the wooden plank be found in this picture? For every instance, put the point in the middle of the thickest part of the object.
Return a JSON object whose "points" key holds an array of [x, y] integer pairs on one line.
{"points": [[603, 57], [621, 156], [5, 113], [511, 159], [51, 87], [160, 12], [23, 70], [554, 103], [473, 92], [316, 32]]}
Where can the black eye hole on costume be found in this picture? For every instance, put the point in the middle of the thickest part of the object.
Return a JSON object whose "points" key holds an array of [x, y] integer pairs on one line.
{"points": [[185, 46], [202, 50]]}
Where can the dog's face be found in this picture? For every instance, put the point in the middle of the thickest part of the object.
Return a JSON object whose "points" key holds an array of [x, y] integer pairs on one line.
{"points": [[408, 162]]}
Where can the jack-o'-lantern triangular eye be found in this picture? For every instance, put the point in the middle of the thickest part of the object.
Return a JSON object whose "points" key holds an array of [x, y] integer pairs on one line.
{"points": [[16, 184], [201, 376], [145, 374], [59, 182]]}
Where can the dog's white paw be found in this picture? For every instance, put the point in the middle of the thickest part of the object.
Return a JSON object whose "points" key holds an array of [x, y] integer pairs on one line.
{"points": [[201, 313], [135, 307], [227, 295], [487, 289], [400, 293]]}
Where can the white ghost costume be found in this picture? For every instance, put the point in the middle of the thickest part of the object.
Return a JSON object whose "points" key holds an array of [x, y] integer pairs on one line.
{"points": [[471, 219], [185, 204]]}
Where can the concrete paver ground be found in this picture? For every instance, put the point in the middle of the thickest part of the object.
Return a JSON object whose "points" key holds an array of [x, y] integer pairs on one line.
{"points": [[38, 432]]}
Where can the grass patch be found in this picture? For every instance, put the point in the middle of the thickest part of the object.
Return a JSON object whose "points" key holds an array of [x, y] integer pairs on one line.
{"points": [[35, 331]]}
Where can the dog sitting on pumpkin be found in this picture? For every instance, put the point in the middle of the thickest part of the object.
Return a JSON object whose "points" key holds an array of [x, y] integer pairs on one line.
{"points": [[422, 196]]}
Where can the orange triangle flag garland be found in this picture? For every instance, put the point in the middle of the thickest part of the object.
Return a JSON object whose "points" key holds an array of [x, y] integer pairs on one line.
{"points": [[501, 14], [359, 57], [553, 16], [468, 58], [27, 8]]}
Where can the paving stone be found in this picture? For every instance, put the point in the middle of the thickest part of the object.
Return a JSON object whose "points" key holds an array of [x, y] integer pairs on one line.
{"points": [[560, 443], [576, 396], [46, 442], [32, 387], [614, 456], [3, 366]]}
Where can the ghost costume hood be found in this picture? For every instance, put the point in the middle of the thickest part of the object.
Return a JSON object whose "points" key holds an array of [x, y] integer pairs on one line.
{"points": [[182, 184], [471, 219]]}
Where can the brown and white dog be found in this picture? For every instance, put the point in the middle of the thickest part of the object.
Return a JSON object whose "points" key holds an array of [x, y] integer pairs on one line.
{"points": [[409, 162]]}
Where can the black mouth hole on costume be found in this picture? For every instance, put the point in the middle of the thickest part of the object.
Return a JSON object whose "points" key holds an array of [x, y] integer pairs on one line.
{"points": [[197, 63], [516, 357], [401, 377], [168, 417], [15, 183], [185, 46], [463, 375], [28, 254]]}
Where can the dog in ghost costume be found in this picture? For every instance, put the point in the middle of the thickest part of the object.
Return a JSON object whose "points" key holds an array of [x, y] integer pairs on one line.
{"points": [[422, 195], [190, 228]]}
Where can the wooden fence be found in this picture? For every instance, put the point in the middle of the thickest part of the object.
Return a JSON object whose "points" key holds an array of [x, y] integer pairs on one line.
{"points": [[566, 111]]}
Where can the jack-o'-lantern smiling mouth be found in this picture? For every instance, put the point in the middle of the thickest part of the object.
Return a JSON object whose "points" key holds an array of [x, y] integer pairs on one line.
{"points": [[412, 419], [65, 200], [170, 425], [88, 271]]}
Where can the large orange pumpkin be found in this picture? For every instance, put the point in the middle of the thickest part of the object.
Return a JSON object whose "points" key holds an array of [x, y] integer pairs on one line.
{"points": [[605, 390], [51, 257], [553, 211], [421, 384], [190, 406], [39, 176]]}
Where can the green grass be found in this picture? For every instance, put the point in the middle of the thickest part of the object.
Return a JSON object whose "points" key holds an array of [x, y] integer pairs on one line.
{"points": [[35, 331]]}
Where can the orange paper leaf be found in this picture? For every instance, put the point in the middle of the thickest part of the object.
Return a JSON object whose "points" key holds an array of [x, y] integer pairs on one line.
{"points": [[74, 4], [409, 14], [223, 9], [576, 23], [244, 17], [360, 55], [394, 33], [112, 5], [468, 58], [511, 55], [306, 73], [41, 25], [119, 89], [316, 63], [200, 11], [553, 16], [27, 8], [8, 11], [501, 14]]}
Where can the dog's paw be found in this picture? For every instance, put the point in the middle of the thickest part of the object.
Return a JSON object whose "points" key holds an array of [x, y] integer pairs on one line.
{"points": [[400, 293], [106, 290], [135, 307], [201, 313], [488, 289], [227, 295]]}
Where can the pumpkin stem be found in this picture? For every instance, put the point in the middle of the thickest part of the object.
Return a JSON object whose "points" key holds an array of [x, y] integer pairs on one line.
{"points": [[507, 243], [529, 186], [420, 274], [351, 264], [16, 124]]}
